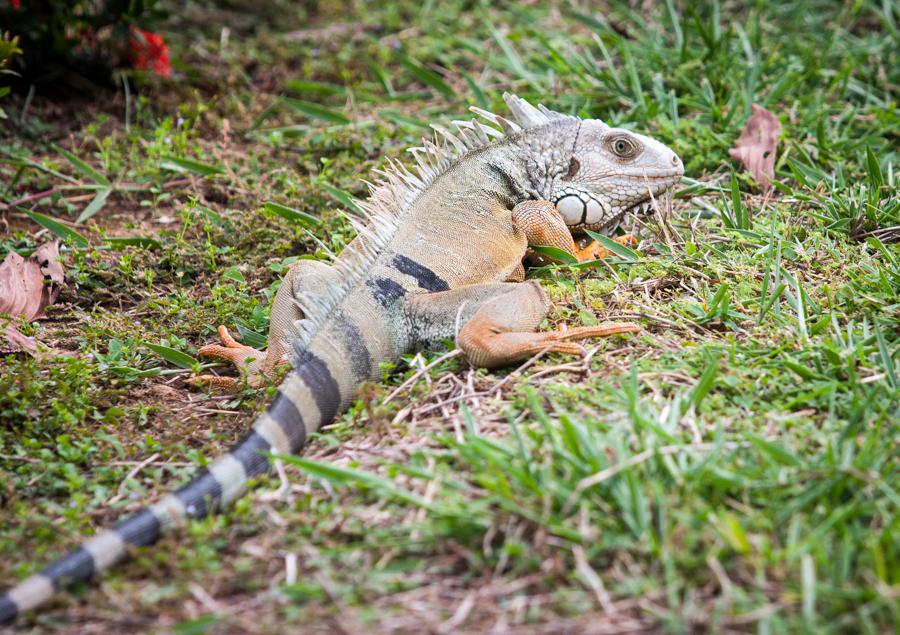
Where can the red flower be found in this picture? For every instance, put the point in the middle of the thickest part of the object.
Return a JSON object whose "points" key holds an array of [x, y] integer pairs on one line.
{"points": [[149, 52], [16, 4]]}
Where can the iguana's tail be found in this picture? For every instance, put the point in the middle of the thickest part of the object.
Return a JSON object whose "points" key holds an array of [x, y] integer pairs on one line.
{"points": [[308, 398]]}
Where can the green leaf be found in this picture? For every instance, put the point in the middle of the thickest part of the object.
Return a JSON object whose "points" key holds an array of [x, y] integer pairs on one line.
{"points": [[477, 93], [428, 77], [174, 164], [342, 475], [212, 216], [383, 77], [731, 530], [265, 114], [886, 359], [319, 88], [341, 197], [173, 356], [291, 214], [874, 169], [59, 230], [773, 450], [316, 111], [234, 274], [197, 626], [620, 250], [555, 253], [144, 242], [737, 207], [251, 338], [402, 120], [514, 61], [94, 206], [83, 167], [704, 384], [128, 371]]}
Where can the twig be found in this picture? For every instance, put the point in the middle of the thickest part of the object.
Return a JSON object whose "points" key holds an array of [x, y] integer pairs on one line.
{"points": [[517, 372], [589, 577], [412, 380], [119, 187], [120, 492], [32, 197], [283, 487]]}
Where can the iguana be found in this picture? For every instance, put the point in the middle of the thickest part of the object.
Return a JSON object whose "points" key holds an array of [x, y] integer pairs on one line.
{"points": [[440, 256]]}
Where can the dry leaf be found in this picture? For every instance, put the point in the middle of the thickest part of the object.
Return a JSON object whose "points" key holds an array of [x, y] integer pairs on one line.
{"points": [[756, 146], [16, 341], [27, 287]]}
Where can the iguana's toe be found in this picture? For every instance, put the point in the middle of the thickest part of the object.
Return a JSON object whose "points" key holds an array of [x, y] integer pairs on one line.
{"points": [[601, 330], [596, 251], [215, 381], [246, 359], [593, 251]]}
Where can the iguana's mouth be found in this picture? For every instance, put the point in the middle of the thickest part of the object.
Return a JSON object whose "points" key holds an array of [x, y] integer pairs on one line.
{"points": [[640, 209]]}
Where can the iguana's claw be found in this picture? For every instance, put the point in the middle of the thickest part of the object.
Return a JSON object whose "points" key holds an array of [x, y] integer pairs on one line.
{"points": [[584, 332], [245, 358]]}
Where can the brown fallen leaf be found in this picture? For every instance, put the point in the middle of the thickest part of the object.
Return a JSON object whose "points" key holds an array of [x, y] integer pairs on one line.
{"points": [[16, 341], [27, 287], [756, 146]]}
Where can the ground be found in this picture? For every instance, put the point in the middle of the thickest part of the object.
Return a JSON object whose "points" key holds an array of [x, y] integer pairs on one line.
{"points": [[731, 468]]}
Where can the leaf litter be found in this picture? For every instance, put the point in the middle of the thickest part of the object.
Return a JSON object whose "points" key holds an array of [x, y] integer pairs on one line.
{"points": [[27, 287]]}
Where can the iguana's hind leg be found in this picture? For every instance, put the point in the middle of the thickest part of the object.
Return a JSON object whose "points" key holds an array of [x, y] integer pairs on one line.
{"points": [[502, 331], [497, 323], [309, 276]]}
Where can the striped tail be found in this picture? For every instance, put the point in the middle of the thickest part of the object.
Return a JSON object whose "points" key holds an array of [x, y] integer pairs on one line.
{"points": [[308, 398]]}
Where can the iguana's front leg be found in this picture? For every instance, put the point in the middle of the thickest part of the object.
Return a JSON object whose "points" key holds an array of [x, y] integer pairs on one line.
{"points": [[310, 276], [497, 322], [544, 225]]}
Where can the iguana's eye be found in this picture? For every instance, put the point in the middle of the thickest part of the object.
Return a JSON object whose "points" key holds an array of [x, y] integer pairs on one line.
{"points": [[623, 147]]}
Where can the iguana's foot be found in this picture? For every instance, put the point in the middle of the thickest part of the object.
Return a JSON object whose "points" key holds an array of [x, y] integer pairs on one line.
{"points": [[596, 251], [246, 359], [502, 329], [490, 346]]}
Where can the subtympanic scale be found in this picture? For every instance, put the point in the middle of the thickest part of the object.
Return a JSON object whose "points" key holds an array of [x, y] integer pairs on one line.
{"points": [[578, 208]]}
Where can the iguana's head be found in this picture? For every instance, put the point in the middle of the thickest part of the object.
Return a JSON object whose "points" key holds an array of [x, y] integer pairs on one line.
{"points": [[595, 174], [612, 172]]}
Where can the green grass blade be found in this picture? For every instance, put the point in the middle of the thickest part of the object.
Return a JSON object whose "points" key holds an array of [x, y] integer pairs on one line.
{"points": [[67, 234], [173, 356], [344, 475], [316, 111], [291, 214], [188, 166], [428, 77], [144, 242], [94, 206], [555, 253], [341, 197], [302, 86], [619, 249], [83, 167]]}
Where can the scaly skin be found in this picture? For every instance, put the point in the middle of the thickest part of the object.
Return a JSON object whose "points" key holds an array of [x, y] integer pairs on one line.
{"points": [[441, 257]]}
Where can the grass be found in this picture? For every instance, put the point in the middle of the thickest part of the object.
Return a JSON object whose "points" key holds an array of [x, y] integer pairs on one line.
{"points": [[732, 468]]}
